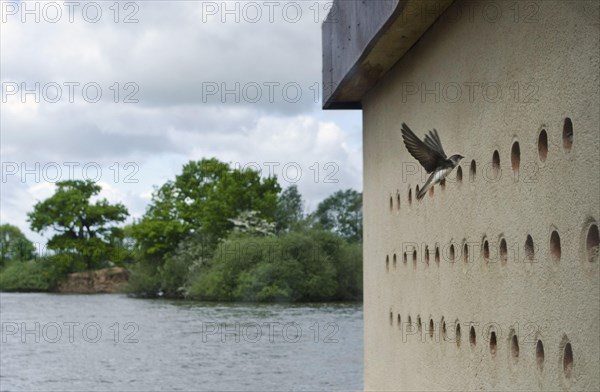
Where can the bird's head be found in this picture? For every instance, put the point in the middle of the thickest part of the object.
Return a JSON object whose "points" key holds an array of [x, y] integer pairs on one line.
{"points": [[456, 159]]}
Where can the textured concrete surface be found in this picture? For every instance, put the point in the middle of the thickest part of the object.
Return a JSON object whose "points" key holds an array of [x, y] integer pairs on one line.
{"points": [[544, 58]]}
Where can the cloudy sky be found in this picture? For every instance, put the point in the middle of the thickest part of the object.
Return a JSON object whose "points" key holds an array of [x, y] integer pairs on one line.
{"points": [[126, 94]]}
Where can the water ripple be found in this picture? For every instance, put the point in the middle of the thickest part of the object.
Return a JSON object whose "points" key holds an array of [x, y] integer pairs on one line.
{"points": [[112, 342]]}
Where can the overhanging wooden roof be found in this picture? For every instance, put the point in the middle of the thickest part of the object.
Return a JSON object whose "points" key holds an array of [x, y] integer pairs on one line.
{"points": [[363, 39]]}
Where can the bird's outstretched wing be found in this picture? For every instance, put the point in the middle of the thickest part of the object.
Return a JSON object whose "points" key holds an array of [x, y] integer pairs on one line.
{"points": [[433, 141], [430, 158]]}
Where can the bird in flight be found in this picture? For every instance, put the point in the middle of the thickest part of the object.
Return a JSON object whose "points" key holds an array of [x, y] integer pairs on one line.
{"points": [[430, 155]]}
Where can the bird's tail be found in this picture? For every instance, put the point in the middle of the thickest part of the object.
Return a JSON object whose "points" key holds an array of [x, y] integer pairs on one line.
{"points": [[423, 191]]}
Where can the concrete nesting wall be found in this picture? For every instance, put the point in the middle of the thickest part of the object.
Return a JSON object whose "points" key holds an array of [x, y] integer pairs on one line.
{"points": [[506, 253]]}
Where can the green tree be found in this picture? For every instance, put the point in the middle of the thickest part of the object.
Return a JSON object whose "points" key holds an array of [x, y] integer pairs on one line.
{"points": [[342, 214], [85, 232], [204, 198], [160, 229], [289, 209], [14, 245]]}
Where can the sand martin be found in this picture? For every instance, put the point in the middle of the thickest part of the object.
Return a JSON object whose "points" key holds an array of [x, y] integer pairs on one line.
{"points": [[431, 156]]}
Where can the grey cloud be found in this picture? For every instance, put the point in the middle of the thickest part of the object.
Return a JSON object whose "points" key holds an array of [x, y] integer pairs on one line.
{"points": [[176, 59]]}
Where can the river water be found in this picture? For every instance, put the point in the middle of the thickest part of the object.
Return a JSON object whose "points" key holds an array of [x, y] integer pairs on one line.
{"points": [[54, 342]]}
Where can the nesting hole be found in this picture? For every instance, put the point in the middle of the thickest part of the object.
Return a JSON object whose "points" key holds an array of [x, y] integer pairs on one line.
{"points": [[457, 335], [387, 263], [391, 318], [391, 203], [486, 250], [592, 243], [503, 251], [555, 246], [404, 258], [472, 171], [515, 156], [398, 201], [417, 191], [493, 343], [431, 328], [514, 347], [452, 253], [568, 360], [427, 255], [444, 330], [543, 145], [409, 196], [437, 255], [567, 134], [415, 258], [539, 354], [496, 163], [395, 260], [399, 321], [529, 251], [419, 324], [466, 252], [472, 337], [459, 175]]}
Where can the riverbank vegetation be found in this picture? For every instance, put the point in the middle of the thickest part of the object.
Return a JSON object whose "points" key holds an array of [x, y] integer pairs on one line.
{"points": [[213, 233]]}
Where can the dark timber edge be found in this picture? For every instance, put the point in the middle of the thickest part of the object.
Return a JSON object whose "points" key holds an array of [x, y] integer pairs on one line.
{"points": [[363, 39]]}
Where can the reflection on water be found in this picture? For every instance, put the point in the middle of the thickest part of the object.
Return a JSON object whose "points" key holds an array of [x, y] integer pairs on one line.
{"points": [[112, 342]]}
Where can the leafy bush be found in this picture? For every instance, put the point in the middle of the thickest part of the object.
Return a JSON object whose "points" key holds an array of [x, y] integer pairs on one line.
{"points": [[312, 265], [143, 282], [349, 272], [34, 275], [171, 277]]}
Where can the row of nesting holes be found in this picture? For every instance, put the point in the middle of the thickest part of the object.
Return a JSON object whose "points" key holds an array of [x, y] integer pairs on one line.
{"points": [[592, 245], [515, 159], [567, 356]]}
